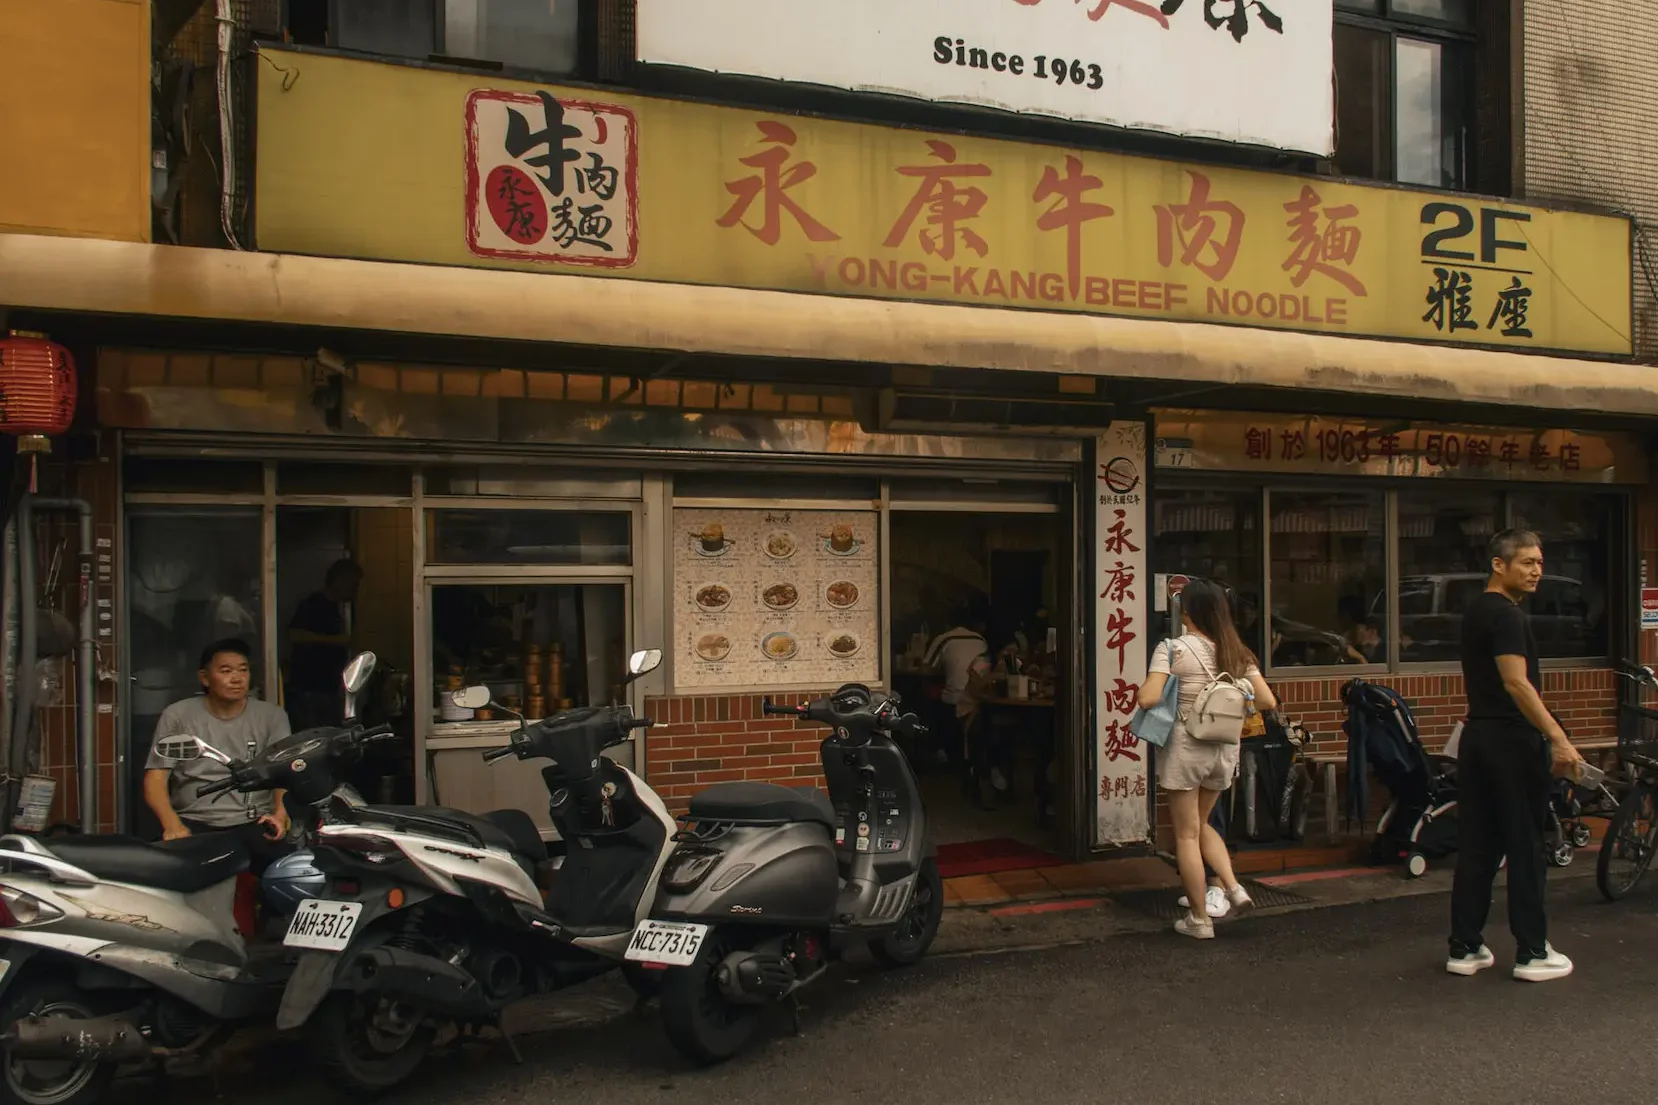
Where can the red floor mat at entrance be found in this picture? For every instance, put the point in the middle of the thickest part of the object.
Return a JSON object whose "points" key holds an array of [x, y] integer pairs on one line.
{"points": [[986, 857]]}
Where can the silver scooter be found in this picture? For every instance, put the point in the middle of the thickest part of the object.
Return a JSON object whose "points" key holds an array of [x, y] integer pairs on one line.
{"points": [[116, 950]]}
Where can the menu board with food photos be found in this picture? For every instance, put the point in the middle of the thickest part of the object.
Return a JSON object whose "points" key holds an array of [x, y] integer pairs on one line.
{"points": [[776, 598]]}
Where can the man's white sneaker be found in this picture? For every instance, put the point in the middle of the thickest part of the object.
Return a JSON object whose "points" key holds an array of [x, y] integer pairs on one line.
{"points": [[1189, 925], [1214, 903], [1470, 963], [1550, 965]]}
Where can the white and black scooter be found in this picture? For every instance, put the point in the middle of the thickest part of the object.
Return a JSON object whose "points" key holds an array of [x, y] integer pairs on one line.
{"points": [[433, 917], [770, 882], [118, 951]]}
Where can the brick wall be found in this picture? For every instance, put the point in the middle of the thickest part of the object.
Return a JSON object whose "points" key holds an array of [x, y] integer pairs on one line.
{"points": [[725, 738], [1589, 78], [1585, 700]]}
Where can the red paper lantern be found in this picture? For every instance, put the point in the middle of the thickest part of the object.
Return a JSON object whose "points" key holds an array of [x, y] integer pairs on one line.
{"points": [[37, 389]]}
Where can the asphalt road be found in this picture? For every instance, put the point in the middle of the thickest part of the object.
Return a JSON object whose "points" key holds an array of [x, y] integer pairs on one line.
{"points": [[1348, 1005]]}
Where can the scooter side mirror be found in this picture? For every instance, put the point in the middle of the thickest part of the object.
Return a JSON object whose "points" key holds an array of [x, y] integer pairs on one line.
{"points": [[185, 747], [355, 677], [644, 662], [472, 698]]}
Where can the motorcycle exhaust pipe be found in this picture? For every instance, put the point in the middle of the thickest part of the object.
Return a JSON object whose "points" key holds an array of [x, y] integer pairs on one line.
{"points": [[110, 1039]]}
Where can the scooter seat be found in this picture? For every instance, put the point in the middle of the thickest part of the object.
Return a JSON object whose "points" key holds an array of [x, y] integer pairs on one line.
{"points": [[183, 866], [762, 802], [513, 830]]}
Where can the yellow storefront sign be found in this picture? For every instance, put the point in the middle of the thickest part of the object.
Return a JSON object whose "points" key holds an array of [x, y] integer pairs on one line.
{"points": [[386, 162]]}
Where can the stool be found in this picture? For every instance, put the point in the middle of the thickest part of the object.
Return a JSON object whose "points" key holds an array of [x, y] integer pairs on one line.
{"points": [[246, 908]]}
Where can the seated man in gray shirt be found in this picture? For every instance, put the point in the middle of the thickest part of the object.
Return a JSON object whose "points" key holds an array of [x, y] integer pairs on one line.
{"points": [[225, 717]]}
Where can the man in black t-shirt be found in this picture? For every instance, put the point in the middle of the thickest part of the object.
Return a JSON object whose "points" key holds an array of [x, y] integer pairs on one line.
{"points": [[320, 649], [1510, 746]]}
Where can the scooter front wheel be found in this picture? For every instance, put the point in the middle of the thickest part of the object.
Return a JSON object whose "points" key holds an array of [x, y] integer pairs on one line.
{"points": [[368, 1046], [913, 935], [702, 1023], [51, 1082]]}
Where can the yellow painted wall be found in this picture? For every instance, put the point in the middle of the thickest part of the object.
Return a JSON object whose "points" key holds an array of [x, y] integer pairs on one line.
{"points": [[75, 117]]}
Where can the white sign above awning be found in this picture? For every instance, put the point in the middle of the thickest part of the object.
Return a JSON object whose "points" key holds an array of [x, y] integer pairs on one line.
{"points": [[1248, 71]]}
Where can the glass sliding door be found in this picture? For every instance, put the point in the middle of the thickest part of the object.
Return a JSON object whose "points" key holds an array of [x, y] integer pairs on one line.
{"points": [[193, 577]]}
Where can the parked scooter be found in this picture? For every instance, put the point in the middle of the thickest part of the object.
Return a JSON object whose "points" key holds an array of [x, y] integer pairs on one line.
{"points": [[115, 950], [770, 882], [434, 916]]}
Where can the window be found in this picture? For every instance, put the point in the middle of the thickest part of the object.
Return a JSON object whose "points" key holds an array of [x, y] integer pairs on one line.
{"points": [[1404, 105], [1443, 534], [1329, 567], [1330, 554], [1570, 612], [527, 537], [539, 648], [1216, 535], [524, 34]]}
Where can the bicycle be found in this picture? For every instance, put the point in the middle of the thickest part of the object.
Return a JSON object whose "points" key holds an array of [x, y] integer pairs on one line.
{"points": [[1632, 836]]}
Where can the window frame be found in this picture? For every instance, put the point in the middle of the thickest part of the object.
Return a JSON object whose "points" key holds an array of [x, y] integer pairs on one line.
{"points": [[1456, 41], [1620, 579], [585, 47]]}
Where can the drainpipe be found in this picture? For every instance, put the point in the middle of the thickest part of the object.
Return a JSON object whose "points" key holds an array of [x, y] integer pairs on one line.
{"points": [[86, 666]]}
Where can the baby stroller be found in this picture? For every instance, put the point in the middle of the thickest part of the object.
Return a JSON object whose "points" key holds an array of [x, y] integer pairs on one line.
{"points": [[1420, 822]]}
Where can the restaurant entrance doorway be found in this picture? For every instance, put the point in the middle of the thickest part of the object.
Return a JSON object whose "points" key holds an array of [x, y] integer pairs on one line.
{"points": [[982, 593]]}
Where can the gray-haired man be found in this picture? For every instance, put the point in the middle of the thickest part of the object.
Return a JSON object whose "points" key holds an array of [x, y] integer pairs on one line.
{"points": [[1510, 747]]}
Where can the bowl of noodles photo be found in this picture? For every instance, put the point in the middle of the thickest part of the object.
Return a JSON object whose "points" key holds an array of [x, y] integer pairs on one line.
{"points": [[843, 646], [780, 544], [713, 596], [780, 596], [713, 647], [779, 646], [841, 594]]}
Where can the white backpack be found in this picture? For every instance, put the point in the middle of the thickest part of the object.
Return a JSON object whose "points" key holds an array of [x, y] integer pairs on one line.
{"points": [[1223, 705]]}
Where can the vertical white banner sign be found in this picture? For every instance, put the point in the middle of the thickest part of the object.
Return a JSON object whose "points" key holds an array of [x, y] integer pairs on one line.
{"points": [[1121, 623]]}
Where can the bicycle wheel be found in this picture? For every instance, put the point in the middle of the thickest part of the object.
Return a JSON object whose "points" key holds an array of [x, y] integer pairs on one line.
{"points": [[1630, 841]]}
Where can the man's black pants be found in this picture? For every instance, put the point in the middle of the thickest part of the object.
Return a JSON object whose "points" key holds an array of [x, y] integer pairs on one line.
{"points": [[1503, 779]]}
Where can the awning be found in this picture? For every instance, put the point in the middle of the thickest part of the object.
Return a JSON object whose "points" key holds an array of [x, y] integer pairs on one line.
{"points": [[123, 278]]}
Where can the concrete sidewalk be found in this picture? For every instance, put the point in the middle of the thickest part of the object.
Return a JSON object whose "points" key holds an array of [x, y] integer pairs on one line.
{"points": [[1137, 895]]}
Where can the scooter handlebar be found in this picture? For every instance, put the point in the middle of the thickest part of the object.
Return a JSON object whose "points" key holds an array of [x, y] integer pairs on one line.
{"points": [[499, 754], [767, 706], [218, 788]]}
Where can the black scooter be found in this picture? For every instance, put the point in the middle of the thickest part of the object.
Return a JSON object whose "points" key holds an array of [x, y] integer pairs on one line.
{"points": [[768, 882]]}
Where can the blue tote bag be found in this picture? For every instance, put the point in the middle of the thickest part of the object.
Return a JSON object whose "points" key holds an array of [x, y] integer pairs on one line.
{"points": [[1154, 725]]}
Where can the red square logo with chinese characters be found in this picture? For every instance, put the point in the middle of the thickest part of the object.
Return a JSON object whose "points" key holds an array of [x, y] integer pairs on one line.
{"points": [[551, 180]]}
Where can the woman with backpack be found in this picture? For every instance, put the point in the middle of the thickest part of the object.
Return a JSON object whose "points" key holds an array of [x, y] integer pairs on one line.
{"points": [[1219, 685]]}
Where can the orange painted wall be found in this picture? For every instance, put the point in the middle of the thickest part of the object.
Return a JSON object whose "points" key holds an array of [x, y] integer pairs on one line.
{"points": [[75, 126]]}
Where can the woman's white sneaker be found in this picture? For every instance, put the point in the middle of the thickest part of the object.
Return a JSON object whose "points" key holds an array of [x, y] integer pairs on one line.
{"points": [[1189, 925], [1214, 903], [1242, 903], [1543, 968]]}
